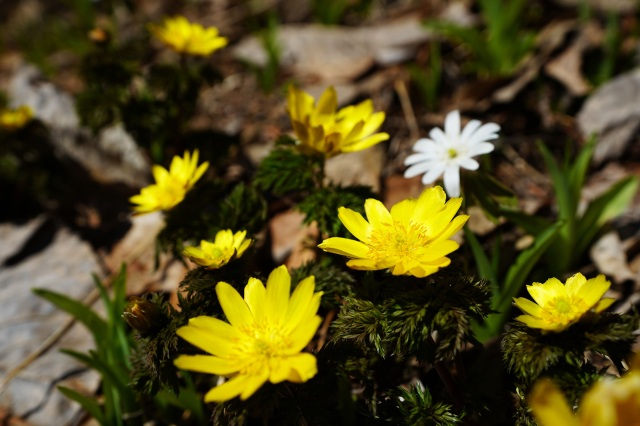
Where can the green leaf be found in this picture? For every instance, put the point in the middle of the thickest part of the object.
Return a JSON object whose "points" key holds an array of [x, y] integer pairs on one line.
{"points": [[89, 404], [579, 168], [485, 268], [96, 325], [604, 208], [109, 373]]}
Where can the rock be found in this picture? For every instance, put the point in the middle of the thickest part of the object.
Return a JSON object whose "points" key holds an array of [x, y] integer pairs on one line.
{"points": [[110, 157], [64, 266], [612, 113], [338, 53]]}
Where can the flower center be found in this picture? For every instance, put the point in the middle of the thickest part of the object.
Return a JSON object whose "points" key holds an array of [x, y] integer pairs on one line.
{"points": [[397, 241], [563, 310], [453, 153]]}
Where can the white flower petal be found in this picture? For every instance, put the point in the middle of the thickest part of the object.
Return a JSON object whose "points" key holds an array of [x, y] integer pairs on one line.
{"points": [[468, 163], [438, 136], [419, 158], [425, 145], [418, 169], [433, 174], [452, 125], [452, 181], [485, 133], [469, 130], [481, 148]]}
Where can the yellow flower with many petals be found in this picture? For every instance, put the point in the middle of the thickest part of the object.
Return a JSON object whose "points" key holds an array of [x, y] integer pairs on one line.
{"points": [[263, 340], [171, 185], [610, 402], [187, 37], [226, 247], [560, 305], [322, 129], [411, 239], [14, 119]]}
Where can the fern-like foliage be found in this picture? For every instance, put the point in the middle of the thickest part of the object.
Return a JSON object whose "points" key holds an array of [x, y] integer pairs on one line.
{"points": [[287, 170], [416, 407], [407, 311], [334, 282], [321, 206], [528, 353]]}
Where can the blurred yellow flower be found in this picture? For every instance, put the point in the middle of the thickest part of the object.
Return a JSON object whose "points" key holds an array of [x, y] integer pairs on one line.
{"points": [[226, 247], [322, 129], [187, 37], [14, 119], [263, 340], [171, 185], [412, 239], [560, 305], [610, 402]]}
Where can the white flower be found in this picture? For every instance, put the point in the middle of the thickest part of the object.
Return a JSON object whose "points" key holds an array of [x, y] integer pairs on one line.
{"points": [[446, 152]]}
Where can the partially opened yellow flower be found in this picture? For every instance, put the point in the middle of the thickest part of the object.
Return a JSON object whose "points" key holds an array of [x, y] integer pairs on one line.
{"points": [[412, 239], [560, 305], [187, 37], [171, 185], [321, 128], [263, 340], [14, 119], [610, 402], [226, 247]]}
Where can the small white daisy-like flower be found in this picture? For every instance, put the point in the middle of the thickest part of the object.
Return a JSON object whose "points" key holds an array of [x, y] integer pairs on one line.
{"points": [[444, 153]]}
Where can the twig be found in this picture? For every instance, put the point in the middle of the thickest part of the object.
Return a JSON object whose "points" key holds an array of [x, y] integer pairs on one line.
{"points": [[324, 330], [407, 109]]}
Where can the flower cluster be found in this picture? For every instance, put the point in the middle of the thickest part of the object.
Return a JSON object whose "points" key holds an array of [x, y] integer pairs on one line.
{"points": [[321, 128], [14, 119], [411, 239], [560, 305], [171, 185], [263, 340], [187, 37], [225, 247], [445, 153], [610, 402]]}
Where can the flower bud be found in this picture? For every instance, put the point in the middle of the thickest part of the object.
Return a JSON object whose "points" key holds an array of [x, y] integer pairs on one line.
{"points": [[141, 314]]}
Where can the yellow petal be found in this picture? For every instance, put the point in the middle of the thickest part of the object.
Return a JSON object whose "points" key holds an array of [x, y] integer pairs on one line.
{"points": [[255, 295], [277, 294], [228, 390], [345, 247], [304, 365], [533, 322], [594, 289], [209, 364], [440, 220], [377, 213], [366, 142], [528, 307], [354, 222], [423, 270], [206, 340], [456, 225], [574, 284], [403, 211], [436, 250], [604, 304], [302, 334], [549, 406], [430, 200], [278, 369], [299, 303], [328, 102], [233, 305], [543, 294], [253, 383]]}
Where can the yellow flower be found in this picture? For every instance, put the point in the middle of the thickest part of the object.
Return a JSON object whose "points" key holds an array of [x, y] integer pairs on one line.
{"points": [[560, 305], [412, 239], [610, 402], [14, 119], [262, 341], [171, 185], [186, 37], [226, 247], [322, 129]]}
